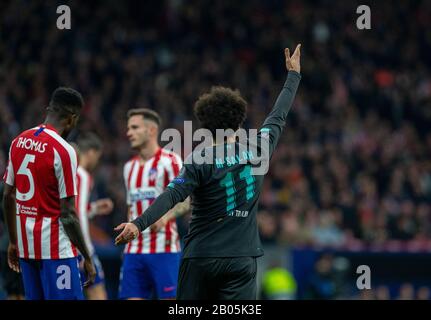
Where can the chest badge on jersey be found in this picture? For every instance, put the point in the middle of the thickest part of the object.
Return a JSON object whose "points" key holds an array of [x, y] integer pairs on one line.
{"points": [[152, 174]]}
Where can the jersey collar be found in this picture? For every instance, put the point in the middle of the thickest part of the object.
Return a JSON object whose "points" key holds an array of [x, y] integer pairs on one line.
{"points": [[156, 155], [48, 126]]}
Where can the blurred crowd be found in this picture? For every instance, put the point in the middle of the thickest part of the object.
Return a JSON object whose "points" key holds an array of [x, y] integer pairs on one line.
{"points": [[329, 282], [354, 165]]}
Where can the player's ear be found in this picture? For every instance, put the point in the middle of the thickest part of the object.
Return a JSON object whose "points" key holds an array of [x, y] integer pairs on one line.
{"points": [[74, 120], [154, 129]]}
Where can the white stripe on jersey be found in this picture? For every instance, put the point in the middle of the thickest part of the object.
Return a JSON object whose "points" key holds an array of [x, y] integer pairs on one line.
{"points": [[174, 238], [145, 204], [29, 228], [65, 246], [19, 235], [72, 154], [58, 167], [83, 200], [46, 238], [146, 240], [126, 173], [161, 240], [169, 167], [133, 180], [133, 206]]}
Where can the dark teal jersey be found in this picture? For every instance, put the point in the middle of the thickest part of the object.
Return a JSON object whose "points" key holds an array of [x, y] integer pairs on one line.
{"points": [[225, 189]]}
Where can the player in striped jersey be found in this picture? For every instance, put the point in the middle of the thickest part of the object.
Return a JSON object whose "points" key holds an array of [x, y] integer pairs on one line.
{"points": [[39, 205], [151, 261], [89, 148]]}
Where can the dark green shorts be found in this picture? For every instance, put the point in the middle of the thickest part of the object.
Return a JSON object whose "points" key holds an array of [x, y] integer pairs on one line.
{"points": [[217, 279]]}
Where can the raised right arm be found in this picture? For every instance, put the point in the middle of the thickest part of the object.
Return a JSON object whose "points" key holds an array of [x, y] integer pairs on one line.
{"points": [[276, 120]]}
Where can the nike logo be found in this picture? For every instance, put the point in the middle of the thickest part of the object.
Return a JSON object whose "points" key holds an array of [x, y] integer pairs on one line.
{"points": [[167, 289]]}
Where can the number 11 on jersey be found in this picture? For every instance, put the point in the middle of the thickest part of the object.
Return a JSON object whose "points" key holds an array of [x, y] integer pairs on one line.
{"points": [[229, 183]]}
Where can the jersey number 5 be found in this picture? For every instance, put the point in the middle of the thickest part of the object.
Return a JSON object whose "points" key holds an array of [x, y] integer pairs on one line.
{"points": [[229, 183], [24, 170]]}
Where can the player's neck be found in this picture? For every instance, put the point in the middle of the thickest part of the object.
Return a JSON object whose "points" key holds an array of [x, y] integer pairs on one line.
{"points": [[54, 124], [147, 152]]}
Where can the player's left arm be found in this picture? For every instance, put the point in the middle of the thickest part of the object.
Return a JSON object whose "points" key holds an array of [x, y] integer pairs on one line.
{"points": [[70, 222], [177, 191], [9, 211]]}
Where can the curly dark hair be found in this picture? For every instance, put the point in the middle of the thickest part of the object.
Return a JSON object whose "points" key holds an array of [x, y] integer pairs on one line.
{"points": [[221, 108], [65, 101]]}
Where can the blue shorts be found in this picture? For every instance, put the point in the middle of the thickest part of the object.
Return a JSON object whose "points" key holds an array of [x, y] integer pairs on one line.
{"points": [[51, 279], [100, 276], [149, 276]]}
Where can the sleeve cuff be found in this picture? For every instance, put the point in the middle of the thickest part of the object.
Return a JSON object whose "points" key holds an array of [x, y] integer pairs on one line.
{"points": [[294, 73], [137, 223]]}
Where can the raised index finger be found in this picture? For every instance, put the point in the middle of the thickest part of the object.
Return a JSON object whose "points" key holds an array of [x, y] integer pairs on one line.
{"points": [[297, 51]]}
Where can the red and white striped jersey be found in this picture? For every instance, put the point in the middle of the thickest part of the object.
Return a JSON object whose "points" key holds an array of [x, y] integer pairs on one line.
{"points": [[144, 183], [42, 166], [85, 184]]}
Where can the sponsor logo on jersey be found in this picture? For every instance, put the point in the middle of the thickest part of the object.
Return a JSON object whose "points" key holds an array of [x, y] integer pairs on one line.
{"points": [[153, 174], [140, 195]]}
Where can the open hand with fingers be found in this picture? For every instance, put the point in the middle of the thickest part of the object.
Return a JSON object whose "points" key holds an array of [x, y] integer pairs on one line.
{"points": [[293, 62], [128, 233]]}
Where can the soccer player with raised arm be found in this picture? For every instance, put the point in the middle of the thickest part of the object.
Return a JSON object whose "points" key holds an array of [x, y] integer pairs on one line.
{"points": [[219, 259], [89, 148], [39, 205], [151, 261]]}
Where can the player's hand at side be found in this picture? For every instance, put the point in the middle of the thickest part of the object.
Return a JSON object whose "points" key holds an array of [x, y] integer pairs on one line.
{"points": [[12, 257], [130, 232], [293, 62], [90, 272]]}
